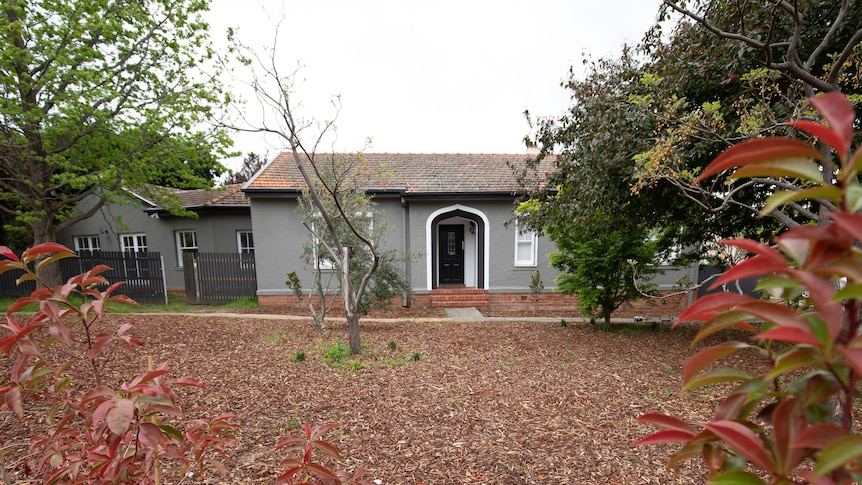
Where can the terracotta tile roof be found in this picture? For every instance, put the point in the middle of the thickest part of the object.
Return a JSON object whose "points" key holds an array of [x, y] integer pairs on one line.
{"points": [[228, 196], [413, 172]]}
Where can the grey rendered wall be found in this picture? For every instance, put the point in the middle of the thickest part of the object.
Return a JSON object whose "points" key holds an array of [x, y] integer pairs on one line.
{"points": [[503, 275], [215, 233], [280, 237]]}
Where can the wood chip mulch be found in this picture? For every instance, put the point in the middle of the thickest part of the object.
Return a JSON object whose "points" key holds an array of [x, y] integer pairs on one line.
{"points": [[492, 402]]}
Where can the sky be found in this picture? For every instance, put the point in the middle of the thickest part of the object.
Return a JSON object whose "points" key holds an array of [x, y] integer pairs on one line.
{"points": [[443, 76]]}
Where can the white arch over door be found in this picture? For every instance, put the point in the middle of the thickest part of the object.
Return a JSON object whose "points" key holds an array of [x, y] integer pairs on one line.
{"points": [[486, 242]]}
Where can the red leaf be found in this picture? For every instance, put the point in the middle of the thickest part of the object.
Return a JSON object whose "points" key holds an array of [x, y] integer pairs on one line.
{"points": [[665, 421], [791, 334], [824, 133], [45, 248], [709, 355], [849, 223], [328, 448], [854, 357], [666, 436], [757, 266], [836, 109], [186, 381], [102, 342], [788, 424], [758, 150], [775, 313], [744, 441], [820, 436], [120, 415], [704, 308], [8, 253], [822, 294], [731, 406], [13, 401]]}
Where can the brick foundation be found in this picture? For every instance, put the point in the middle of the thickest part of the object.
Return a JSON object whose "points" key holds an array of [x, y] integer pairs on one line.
{"points": [[668, 307]]}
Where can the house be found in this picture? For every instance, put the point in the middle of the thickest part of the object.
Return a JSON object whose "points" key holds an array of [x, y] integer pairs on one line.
{"points": [[454, 210], [140, 224]]}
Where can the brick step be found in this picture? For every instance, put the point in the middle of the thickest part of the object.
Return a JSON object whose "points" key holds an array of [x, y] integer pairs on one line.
{"points": [[459, 298]]}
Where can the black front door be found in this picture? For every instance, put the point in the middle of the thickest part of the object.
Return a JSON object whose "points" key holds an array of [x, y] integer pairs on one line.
{"points": [[451, 249]]}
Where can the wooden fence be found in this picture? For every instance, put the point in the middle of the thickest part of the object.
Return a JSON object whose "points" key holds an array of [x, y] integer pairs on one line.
{"points": [[214, 278], [143, 274]]}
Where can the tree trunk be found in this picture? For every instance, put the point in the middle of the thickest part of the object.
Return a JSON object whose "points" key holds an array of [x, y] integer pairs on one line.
{"points": [[351, 304], [353, 333], [45, 231]]}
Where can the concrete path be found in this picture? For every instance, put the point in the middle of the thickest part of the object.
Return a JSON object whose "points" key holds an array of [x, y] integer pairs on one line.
{"points": [[455, 314]]}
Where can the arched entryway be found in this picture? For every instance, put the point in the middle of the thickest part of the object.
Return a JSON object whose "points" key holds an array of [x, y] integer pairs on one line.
{"points": [[457, 248]]}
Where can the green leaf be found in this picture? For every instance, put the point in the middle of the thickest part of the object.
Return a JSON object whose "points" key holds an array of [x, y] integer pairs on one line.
{"points": [[837, 454], [802, 168], [794, 359], [716, 377], [736, 477], [730, 318], [171, 431], [782, 198], [853, 193]]}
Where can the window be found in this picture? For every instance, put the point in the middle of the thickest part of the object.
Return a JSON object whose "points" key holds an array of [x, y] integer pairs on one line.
{"points": [[526, 247], [87, 243], [133, 243], [187, 242], [322, 258], [244, 242]]}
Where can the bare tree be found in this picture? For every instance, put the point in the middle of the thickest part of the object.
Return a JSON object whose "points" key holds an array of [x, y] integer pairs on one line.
{"points": [[273, 90]]}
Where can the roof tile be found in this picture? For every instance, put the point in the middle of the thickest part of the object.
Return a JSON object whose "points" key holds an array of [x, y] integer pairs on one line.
{"points": [[416, 173]]}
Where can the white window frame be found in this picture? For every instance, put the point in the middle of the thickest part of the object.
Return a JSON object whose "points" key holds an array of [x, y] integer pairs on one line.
{"points": [[135, 242], [529, 239], [324, 263], [245, 244], [87, 243], [184, 246]]}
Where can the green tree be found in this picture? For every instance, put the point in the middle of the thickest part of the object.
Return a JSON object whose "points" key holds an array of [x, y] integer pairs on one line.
{"points": [[603, 268], [578, 190], [732, 71], [99, 95]]}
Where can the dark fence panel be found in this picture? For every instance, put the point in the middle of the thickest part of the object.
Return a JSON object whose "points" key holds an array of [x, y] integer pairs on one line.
{"points": [[142, 272], [219, 277], [8, 286], [708, 275]]}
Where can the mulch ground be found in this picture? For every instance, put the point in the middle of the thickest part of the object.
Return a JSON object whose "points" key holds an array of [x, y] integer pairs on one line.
{"points": [[430, 401]]}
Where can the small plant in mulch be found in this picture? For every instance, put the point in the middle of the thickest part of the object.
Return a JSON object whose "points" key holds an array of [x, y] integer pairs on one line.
{"points": [[415, 356], [309, 468], [86, 428], [299, 357], [392, 345]]}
